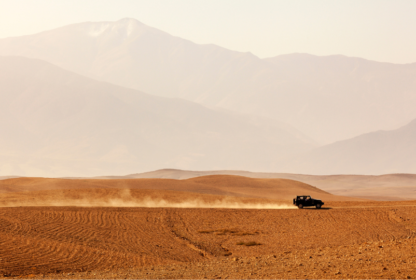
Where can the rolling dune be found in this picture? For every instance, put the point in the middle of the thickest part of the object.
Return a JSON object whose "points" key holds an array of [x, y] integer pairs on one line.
{"points": [[223, 185], [387, 187]]}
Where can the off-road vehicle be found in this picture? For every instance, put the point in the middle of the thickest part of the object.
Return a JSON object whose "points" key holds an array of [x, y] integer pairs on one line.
{"points": [[306, 200]]}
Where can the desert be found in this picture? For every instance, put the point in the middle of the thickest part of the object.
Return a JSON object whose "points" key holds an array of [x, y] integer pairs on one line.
{"points": [[217, 226], [385, 187], [209, 139]]}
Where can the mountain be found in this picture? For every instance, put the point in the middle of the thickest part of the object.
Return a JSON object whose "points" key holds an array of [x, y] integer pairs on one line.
{"points": [[57, 123], [350, 96], [379, 152], [328, 98]]}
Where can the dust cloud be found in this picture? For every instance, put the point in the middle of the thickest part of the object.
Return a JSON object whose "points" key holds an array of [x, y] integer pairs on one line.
{"points": [[125, 199]]}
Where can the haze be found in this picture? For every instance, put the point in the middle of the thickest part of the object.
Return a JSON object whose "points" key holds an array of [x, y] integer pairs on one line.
{"points": [[115, 97], [380, 30]]}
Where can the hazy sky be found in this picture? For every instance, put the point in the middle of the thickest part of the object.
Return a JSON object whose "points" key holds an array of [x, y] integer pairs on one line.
{"points": [[382, 30]]}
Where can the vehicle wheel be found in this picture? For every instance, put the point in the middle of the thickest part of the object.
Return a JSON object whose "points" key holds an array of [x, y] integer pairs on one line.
{"points": [[300, 206], [318, 206]]}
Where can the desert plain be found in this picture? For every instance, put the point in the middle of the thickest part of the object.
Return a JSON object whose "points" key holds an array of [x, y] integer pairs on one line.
{"points": [[217, 226]]}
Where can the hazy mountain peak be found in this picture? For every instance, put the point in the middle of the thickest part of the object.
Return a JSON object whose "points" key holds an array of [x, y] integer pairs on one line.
{"points": [[328, 98], [127, 21], [126, 26]]}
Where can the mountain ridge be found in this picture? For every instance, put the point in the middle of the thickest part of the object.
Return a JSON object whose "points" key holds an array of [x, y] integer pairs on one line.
{"points": [[58, 123], [378, 152], [328, 98]]}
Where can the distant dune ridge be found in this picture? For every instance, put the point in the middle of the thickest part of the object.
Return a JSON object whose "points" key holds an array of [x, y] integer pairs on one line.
{"points": [[383, 187], [216, 191], [215, 108], [389, 187]]}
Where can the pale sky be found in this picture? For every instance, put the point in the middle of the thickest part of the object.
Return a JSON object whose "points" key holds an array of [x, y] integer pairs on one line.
{"points": [[381, 30]]}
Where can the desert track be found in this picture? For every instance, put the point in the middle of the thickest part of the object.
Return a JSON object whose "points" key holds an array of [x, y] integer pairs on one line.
{"points": [[43, 240]]}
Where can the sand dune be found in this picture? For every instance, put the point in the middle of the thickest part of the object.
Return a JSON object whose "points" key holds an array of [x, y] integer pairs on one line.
{"points": [[220, 185], [388, 187], [381, 187]]}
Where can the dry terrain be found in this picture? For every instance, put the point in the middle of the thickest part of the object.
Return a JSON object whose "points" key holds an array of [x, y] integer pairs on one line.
{"points": [[238, 186], [374, 187], [105, 229], [388, 187]]}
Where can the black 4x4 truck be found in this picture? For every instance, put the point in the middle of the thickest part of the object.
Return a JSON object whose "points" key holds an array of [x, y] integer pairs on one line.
{"points": [[306, 200]]}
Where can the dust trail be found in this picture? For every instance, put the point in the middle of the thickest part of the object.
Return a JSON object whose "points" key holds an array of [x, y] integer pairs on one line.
{"points": [[153, 203], [125, 199]]}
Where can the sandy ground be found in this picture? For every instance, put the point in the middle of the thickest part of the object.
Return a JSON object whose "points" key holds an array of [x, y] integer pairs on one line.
{"points": [[372, 260], [104, 235], [110, 242]]}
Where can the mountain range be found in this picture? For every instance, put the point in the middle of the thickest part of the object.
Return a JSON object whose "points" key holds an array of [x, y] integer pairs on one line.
{"points": [[57, 123], [379, 152], [121, 97], [329, 98]]}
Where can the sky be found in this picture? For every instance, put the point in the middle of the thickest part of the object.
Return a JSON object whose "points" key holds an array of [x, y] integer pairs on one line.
{"points": [[380, 30]]}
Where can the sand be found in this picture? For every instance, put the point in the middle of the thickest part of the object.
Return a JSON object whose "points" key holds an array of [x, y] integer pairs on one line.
{"points": [[391, 187], [345, 239], [110, 240], [225, 185]]}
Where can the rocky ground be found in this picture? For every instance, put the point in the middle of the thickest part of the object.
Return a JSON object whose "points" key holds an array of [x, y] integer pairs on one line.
{"points": [[370, 260]]}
